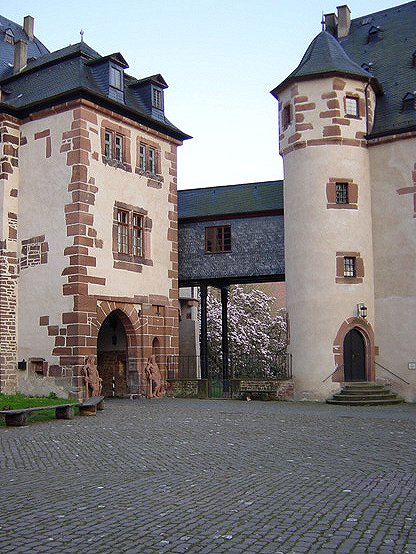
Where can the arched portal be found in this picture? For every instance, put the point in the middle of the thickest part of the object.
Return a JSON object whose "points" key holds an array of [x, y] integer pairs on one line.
{"points": [[354, 356], [112, 355]]}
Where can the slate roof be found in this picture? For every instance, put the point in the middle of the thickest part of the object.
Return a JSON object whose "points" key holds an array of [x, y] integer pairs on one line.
{"points": [[387, 58], [71, 72], [34, 47], [232, 199], [325, 56], [390, 57]]}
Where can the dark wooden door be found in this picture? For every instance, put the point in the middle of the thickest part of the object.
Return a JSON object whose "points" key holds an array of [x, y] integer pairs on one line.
{"points": [[354, 356], [112, 370]]}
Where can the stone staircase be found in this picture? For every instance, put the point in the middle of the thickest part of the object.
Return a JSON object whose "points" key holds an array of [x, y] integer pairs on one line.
{"points": [[364, 394]]}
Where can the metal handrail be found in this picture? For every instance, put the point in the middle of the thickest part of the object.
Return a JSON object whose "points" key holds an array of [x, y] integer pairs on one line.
{"points": [[333, 371], [392, 372]]}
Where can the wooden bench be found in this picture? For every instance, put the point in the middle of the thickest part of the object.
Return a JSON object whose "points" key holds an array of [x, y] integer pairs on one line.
{"points": [[89, 407], [18, 417]]}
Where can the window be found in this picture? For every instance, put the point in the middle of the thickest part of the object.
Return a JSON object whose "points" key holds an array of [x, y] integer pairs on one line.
{"points": [[148, 159], [341, 191], [351, 106], [152, 160], [217, 239], [349, 266], [9, 36], [116, 78], [137, 235], [286, 116], [408, 102], [157, 98], [122, 232], [113, 146], [129, 233]]}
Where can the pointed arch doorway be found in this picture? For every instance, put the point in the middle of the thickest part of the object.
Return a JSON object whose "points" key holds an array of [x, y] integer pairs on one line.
{"points": [[112, 355], [354, 356]]}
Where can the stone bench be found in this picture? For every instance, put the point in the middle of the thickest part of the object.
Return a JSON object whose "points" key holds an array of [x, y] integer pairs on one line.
{"points": [[18, 417], [89, 407]]}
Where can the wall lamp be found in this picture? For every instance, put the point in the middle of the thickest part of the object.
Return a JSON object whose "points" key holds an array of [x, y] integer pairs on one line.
{"points": [[362, 310]]}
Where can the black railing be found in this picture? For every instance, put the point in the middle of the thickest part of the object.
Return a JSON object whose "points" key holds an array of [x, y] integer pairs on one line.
{"points": [[392, 373], [240, 366]]}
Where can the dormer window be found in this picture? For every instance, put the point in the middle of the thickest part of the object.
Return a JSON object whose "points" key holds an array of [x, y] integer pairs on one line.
{"points": [[375, 33], [157, 98], [116, 78], [408, 102], [9, 36]]}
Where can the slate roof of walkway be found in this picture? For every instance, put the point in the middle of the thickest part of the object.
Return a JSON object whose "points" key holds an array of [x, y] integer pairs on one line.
{"points": [[232, 199]]}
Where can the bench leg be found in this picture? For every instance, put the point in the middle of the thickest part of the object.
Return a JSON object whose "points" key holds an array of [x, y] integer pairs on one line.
{"points": [[100, 405], [64, 413], [16, 420], [87, 410]]}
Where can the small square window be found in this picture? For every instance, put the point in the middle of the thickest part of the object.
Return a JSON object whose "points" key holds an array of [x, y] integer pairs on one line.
{"points": [[218, 239], [349, 266], [351, 106], [341, 192]]}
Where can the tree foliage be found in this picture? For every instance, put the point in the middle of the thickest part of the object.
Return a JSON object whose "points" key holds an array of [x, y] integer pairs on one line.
{"points": [[257, 337]]}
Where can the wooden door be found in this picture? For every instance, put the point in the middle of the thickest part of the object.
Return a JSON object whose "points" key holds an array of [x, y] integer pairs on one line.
{"points": [[354, 356], [112, 370]]}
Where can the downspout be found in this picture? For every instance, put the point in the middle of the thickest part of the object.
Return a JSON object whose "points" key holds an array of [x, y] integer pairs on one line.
{"points": [[367, 125]]}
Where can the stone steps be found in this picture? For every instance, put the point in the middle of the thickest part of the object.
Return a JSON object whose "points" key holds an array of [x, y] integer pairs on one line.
{"points": [[364, 394]]}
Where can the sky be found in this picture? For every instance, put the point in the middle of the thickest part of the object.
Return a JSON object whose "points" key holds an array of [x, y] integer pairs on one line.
{"points": [[220, 58]]}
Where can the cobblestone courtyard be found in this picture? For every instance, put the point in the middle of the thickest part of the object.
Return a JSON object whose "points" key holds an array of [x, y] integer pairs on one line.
{"points": [[212, 476]]}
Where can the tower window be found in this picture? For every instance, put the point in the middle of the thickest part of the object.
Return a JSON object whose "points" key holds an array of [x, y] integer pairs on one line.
{"points": [[351, 106], [349, 266], [286, 116], [341, 192]]}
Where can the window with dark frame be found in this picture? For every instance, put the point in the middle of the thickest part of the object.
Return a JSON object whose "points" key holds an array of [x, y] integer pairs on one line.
{"points": [[349, 266], [218, 239], [286, 116], [351, 106], [341, 193], [129, 233]]}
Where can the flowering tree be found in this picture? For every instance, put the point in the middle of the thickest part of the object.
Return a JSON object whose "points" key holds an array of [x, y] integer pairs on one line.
{"points": [[257, 338]]}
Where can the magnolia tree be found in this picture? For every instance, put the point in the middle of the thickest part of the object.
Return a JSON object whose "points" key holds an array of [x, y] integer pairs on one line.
{"points": [[257, 338]]}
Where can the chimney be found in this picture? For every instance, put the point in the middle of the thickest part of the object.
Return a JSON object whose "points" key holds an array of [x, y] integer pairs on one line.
{"points": [[344, 21], [331, 23], [20, 56], [28, 26]]}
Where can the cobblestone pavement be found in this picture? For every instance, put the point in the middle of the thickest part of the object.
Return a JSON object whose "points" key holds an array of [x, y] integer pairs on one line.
{"points": [[177, 476]]}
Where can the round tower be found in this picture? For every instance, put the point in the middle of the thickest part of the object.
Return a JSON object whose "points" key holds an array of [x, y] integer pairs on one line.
{"points": [[325, 112]]}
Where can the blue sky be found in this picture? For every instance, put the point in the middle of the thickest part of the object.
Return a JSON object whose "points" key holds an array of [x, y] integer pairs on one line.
{"points": [[220, 58]]}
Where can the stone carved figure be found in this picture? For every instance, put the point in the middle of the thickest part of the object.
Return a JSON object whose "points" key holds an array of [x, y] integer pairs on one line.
{"points": [[154, 378], [93, 381]]}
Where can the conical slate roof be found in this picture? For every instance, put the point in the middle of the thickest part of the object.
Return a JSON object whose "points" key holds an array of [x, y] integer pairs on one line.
{"points": [[325, 56]]}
